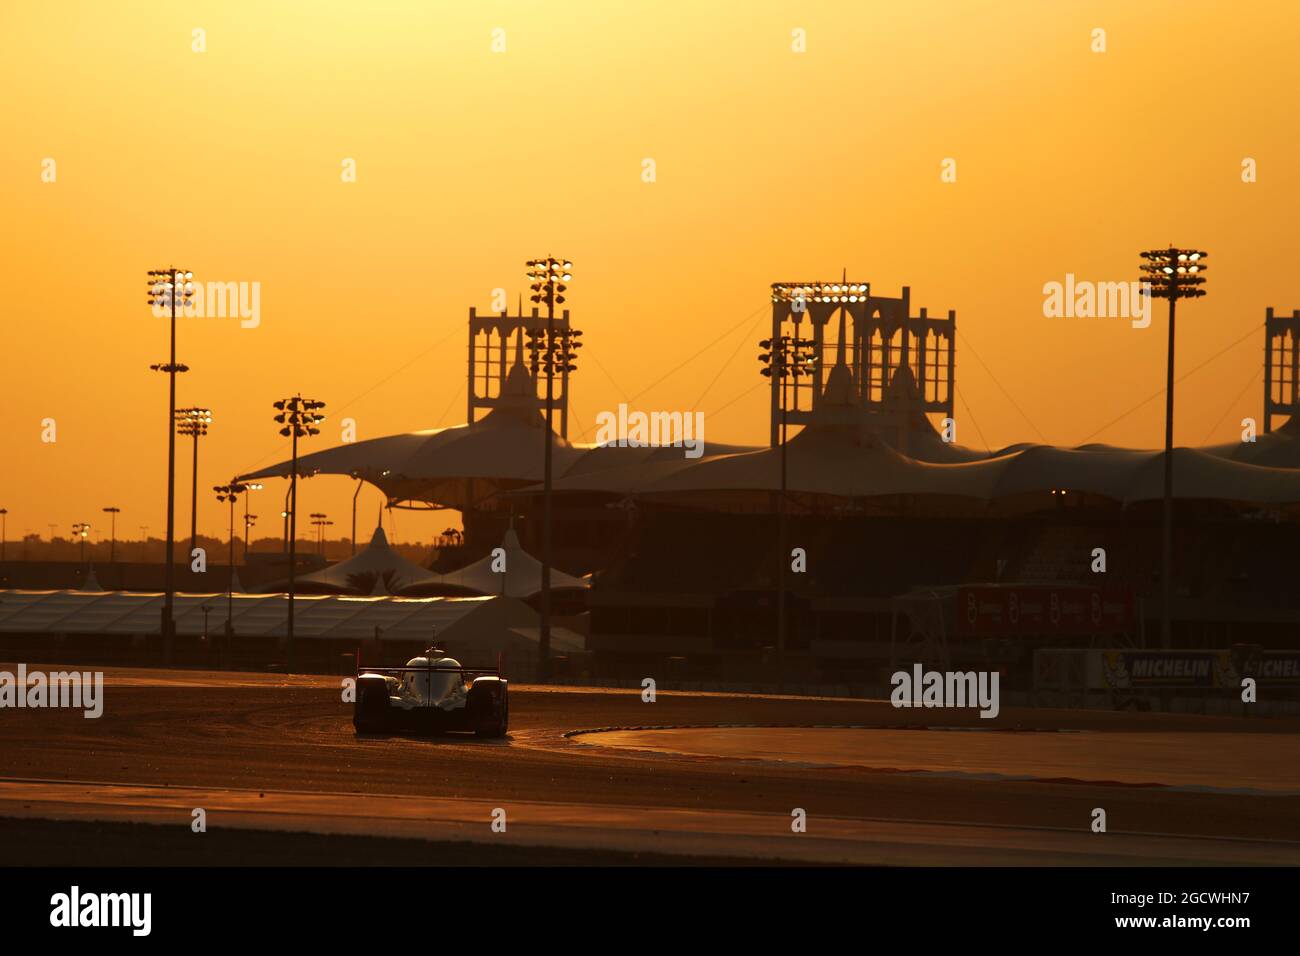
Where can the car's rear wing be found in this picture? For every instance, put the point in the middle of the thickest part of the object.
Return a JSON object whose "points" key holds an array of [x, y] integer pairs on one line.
{"points": [[432, 669]]}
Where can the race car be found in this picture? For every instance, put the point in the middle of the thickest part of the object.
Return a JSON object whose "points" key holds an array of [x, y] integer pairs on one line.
{"points": [[432, 694]]}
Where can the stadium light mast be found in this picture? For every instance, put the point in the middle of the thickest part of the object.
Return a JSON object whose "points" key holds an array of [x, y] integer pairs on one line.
{"points": [[788, 358], [230, 493], [248, 519], [1171, 274], [194, 422], [169, 289], [284, 514], [320, 520], [112, 512], [4, 530], [298, 418], [552, 352], [81, 530]]}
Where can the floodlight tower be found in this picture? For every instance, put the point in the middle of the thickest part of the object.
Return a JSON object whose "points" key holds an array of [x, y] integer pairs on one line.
{"points": [[81, 530], [170, 289], [4, 529], [194, 422], [284, 515], [249, 519], [552, 353], [1171, 274], [112, 512], [298, 417], [785, 359], [320, 520], [230, 493]]}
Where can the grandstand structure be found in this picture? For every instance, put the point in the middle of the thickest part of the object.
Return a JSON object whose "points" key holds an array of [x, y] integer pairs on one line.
{"points": [[914, 545]]}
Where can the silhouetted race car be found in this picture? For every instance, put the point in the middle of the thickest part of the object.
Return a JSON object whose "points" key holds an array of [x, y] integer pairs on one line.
{"points": [[432, 694]]}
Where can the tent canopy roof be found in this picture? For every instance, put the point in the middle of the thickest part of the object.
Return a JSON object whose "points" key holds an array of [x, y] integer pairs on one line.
{"points": [[376, 565], [840, 454], [522, 577]]}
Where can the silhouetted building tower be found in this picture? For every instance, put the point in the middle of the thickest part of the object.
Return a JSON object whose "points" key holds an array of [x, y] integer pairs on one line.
{"points": [[1281, 366], [496, 343], [901, 366]]}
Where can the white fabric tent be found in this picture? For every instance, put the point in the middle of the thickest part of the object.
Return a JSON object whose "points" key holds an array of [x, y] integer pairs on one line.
{"points": [[1277, 449], [850, 461], [452, 466], [522, 577], [459, 466], [376, 569], [838, 462], [840, 455]]}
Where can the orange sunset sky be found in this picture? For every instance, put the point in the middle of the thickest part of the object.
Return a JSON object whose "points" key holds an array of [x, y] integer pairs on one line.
{"points": [[771, 165]]}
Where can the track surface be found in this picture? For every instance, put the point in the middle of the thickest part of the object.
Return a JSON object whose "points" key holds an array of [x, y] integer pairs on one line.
{"points": [[270, 756], [1266, 764]]}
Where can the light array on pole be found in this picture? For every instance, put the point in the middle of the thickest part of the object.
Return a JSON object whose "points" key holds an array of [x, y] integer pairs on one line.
{"points": [[168, 287], [547, 278], [837, 292], [228, 492], [321, 521], [1173, 273], [168, 367], [555, 353], [170, 290], [788, 357], [193, 421], [299, 416]]}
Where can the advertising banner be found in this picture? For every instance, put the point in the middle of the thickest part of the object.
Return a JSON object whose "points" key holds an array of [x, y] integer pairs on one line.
{"points": [[1029, 610]]}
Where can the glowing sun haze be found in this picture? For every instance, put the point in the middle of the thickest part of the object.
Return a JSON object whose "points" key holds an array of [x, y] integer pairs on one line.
{"points": [[770, 165]]}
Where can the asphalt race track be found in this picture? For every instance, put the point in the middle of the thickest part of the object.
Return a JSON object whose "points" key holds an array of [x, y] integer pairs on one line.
{"points": [[1269, 764], [582, 778]]}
